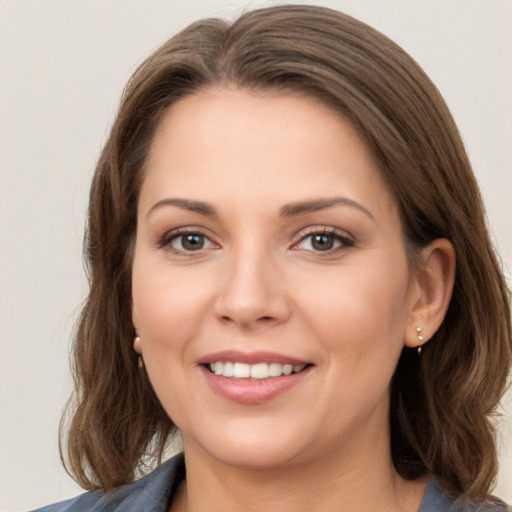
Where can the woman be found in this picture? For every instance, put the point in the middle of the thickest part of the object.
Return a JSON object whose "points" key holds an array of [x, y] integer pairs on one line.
{"points": [[289, 263]]}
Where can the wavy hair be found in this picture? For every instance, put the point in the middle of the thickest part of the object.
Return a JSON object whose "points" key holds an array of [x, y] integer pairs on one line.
{"points": [[442, 401]]}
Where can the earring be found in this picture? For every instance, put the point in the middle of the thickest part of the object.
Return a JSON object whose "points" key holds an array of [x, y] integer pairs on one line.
{"points": [[137, 346], [420, 338]]}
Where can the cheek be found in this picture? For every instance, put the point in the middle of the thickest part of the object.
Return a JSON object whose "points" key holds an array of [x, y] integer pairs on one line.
{"points": [[166, 310], [166, 306], [361, 311], [358, 321]]}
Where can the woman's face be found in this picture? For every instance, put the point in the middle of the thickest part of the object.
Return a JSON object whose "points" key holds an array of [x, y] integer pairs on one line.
{"points": [[268, 243]]}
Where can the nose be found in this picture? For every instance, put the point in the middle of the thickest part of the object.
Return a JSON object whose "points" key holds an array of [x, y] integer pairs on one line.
{"points": [[252, 293]]}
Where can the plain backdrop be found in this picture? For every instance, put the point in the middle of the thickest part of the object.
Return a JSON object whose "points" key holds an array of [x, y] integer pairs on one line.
{"points": [[62, 68]]}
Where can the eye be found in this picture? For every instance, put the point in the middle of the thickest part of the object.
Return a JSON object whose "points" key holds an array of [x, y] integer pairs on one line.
{"points": [[187, 241], [191, 242], [323, 241]]}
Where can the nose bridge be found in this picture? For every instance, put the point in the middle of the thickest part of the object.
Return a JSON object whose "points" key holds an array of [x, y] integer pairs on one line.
{"points": [[252, 289]]}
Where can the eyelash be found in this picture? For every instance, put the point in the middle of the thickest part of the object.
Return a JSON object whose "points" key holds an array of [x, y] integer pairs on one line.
{"points": [[336, 236], [176, 234], [342, 238]]}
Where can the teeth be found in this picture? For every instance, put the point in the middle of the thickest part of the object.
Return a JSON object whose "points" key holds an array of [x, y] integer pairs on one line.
{"points": [[287, 369], [240, 370], [227, 369], [260, 371], [275, 369], [254, 371]]}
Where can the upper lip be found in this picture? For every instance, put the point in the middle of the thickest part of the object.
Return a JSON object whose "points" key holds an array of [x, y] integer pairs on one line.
{"points": [[250, 358]]}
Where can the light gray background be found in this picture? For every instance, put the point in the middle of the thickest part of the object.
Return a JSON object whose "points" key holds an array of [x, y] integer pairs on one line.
{"points": [[62, 68]]}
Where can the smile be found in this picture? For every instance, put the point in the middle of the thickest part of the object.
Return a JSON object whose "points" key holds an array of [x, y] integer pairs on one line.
{"points": [[253, 377], [238, 370]]}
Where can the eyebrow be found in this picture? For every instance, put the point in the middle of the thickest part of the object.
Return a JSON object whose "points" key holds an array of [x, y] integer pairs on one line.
{"points": [[187, 204], [288, 210], [314, 205]]}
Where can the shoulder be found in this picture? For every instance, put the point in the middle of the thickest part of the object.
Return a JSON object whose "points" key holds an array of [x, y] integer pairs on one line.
{"points": [[437, 500], [494, 506], [151, 493], [83, 502]]}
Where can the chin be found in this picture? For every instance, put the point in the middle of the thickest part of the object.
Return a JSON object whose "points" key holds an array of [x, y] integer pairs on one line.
{"points": [[252, 447], [256, 457]]}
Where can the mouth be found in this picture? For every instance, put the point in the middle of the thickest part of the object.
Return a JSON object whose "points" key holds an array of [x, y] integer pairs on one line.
{"points": [[253, 378], [258, 371]]}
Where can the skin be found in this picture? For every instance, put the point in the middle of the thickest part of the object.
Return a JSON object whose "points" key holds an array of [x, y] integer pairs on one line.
{"points": [[260, 283]]}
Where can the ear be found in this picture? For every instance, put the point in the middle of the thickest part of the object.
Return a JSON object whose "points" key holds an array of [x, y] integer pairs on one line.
{"points": [[432, 289], [137, 345]]}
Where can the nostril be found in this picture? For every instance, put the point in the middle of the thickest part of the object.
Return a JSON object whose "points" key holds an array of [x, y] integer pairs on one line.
{"points": [[265, 319]]}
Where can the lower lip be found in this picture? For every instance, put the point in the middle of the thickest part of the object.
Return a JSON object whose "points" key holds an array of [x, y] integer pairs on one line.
{"points": [[253, 391]]}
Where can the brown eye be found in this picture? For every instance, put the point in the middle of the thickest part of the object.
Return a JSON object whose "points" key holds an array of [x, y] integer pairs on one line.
{"points": [[322, 242], [190, 242]]}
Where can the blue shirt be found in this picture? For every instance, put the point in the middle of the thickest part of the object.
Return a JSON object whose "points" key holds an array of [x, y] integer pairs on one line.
{"points": [[154, 493]]}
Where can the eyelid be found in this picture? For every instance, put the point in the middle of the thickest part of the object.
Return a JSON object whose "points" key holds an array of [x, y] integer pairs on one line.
{"points": [[345, 238], [342, 236], [165, 240]]}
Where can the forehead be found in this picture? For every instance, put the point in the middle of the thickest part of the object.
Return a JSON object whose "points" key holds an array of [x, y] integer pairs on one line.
{"points": [[260, 146]]}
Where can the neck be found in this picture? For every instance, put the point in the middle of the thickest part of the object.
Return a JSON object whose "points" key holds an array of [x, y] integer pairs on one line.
{"points": [[362, 480]]}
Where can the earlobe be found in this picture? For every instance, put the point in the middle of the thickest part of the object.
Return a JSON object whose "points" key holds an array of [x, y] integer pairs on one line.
{"points": [[434, 279], [137, 345]]}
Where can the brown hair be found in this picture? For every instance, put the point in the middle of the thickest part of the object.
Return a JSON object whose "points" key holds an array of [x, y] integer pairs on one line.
{"points": [[441, 400]]}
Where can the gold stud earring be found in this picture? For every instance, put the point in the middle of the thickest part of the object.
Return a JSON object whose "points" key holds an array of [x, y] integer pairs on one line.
{"points": [[137, 346]]}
